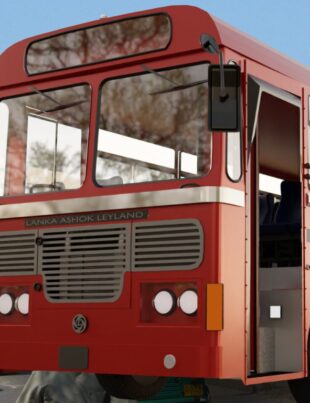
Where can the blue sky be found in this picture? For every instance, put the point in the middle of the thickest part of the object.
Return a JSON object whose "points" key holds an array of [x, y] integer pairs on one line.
{"points": [[282, 24]]}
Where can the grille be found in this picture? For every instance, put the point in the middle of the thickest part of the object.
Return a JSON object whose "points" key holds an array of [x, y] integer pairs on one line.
{"points": [[85, 263], [89, 263], [167, 245], [18, 253]]}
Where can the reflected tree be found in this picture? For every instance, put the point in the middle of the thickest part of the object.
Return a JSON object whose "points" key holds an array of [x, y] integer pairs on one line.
{"points": [[177, 120], [42, 157], [103, 42], [73, 105]]}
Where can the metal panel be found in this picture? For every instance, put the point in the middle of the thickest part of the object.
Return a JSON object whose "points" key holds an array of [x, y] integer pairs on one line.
{"points": [[167, 245], [85, 263], [89, 263], [281, 287], [18, 252], [73, 357], [170, 197]]}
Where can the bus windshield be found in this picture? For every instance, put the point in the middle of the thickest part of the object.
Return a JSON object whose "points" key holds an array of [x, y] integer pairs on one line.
{"points": [[147, 133], [43, 139]]}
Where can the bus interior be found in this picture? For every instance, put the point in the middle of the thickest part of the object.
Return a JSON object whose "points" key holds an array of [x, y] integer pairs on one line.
{"points": [[277, 257]]}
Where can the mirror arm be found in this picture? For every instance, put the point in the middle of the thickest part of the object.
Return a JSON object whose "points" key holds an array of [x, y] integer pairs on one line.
{"points": [[209, 44], [223, 93]]}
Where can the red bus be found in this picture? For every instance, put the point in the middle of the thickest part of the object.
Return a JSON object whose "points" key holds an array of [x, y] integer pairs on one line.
{"points": [[154, 203]]}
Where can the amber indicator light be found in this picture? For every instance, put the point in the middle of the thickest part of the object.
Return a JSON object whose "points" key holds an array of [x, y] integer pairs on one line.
{"points": [[214, 308]]}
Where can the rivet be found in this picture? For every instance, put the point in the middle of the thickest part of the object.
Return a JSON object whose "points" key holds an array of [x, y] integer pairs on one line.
{"points": [[37, 287]]}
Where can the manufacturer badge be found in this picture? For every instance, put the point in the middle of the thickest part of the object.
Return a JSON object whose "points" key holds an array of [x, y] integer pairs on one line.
{"points": [[79, 323]]}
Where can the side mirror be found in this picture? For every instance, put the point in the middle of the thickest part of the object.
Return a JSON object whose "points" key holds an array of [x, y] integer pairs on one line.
{"points": [[224, 113]]}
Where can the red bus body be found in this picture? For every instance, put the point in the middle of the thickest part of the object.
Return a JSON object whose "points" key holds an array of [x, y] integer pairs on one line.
{"points": [[127, 336]]}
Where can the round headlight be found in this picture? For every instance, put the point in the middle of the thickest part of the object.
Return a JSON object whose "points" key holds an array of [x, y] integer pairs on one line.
{"points": [[6, 304], [164, 302], [22, 304], [188, 302]]}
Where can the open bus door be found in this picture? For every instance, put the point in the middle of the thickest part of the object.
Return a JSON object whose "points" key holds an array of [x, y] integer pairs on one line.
{"points": [[300, 388], [275, 269]]}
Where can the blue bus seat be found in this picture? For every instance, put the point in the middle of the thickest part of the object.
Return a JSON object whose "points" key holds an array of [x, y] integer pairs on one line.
{"points": [[280, 241], [287, 218]]}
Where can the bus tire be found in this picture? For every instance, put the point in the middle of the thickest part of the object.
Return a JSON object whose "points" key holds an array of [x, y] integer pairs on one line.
{"points": [[300, 388], [131, 387]]}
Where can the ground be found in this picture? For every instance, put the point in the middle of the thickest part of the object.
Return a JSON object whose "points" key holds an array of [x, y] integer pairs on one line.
{"points": [[221, 391]]}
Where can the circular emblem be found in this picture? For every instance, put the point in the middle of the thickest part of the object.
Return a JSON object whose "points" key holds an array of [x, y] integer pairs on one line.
{"points": [[79, 323]]}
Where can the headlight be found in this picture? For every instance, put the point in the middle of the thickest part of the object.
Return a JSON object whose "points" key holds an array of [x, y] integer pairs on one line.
{"points": [[164, 302], [6, 304], [22, 304], [188, 302]]}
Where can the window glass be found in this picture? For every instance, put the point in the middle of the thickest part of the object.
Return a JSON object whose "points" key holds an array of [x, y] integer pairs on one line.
{"points": [[101, 43], [270, 184], [153, 127], [233, 155], [43, 139]]}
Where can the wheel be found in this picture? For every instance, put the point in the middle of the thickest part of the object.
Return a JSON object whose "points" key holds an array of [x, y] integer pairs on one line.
{"points": [[300, 388], [131, 387]]}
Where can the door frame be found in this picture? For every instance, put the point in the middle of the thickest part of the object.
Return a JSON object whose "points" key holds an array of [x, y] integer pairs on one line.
{"points": [[252, 215]]}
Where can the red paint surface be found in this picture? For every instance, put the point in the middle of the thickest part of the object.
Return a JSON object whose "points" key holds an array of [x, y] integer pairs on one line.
{"points": [[118, 340]]}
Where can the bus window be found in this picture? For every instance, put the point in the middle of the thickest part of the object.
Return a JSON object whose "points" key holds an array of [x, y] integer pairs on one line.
{"points": [[53, 155], [147, 134], [233, 156], [47, 138], [270, 184], [100, 43]]}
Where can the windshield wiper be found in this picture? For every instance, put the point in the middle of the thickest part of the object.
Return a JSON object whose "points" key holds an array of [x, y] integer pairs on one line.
{"points": [[149, 70], [59, 106], [66, 106], [179, 87], [44, 95], [176, 86]]}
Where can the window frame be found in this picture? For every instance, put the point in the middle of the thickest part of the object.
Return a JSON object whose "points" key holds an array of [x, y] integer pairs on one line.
{"points": [[174, 180], [308, 138], [99, 61], [48, 90]]}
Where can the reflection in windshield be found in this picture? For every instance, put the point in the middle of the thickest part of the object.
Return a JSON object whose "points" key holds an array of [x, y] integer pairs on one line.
{"points": [[143, 151], [44, 142], [104, 42], [53, 154], [145, 137]]}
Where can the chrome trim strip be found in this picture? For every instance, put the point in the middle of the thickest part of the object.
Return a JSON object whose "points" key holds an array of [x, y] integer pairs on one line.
{"points": [[171, 197]]}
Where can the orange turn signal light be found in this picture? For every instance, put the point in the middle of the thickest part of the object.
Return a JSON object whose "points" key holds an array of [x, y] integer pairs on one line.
{"points": [[214, 308]]}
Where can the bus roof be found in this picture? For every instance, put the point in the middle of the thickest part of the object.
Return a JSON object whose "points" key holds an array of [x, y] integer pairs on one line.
{"points": [[253, 49], [12, 61]]}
